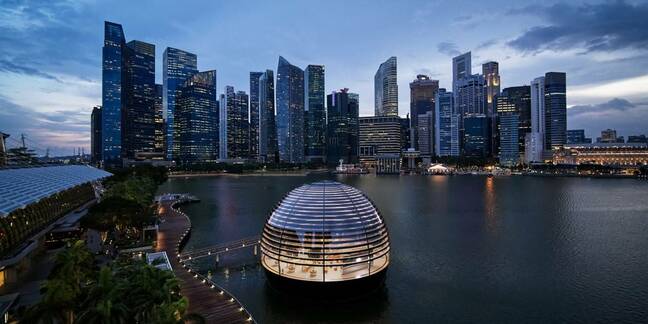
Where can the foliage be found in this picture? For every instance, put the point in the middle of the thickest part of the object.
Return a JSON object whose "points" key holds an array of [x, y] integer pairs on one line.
{"points": [[124, 292], [124, 216]]}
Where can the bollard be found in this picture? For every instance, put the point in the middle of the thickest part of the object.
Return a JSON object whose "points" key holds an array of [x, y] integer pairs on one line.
{"points": [[255, 250]]}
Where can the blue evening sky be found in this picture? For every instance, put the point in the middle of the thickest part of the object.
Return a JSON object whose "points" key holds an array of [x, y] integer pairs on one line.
{"points": [[50, 51]]}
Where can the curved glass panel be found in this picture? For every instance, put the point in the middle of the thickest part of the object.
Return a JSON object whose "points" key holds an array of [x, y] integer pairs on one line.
{"points": [[325, 231]]}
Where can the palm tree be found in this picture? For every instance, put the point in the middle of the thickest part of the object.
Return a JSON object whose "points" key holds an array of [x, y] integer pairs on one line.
{"points": [[104, 303]]}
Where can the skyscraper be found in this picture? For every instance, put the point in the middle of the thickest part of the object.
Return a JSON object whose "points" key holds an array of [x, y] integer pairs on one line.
{"points": [[520, 98], [490, 71], [268, 148], [425, 127], [470, 95], [234, 127], [446, 125], [177, 67], [378, 136], [534, 142], [461, 68], [196, 119], [314, 114], [290, 112], [254, 114], [111, 93], [555, 97], [159, 120], [342, 135], [386, 88], [422, 93], [508, 126], [95, 135], [476, 136], [138, 95]]}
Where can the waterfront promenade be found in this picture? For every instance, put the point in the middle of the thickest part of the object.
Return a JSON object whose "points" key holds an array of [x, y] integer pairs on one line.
{"points": [[205, 297]]}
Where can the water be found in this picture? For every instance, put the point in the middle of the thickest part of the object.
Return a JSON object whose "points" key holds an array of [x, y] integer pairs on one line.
{"points": [[465, 249]]}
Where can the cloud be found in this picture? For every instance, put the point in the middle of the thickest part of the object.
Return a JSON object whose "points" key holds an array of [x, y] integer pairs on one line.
{"points": [[628, 118], [448, 48], [602, 27], [614, 105], [8, 66], [59, 130]]}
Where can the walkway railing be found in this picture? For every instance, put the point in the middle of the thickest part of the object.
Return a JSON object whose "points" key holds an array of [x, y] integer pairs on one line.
{"points": [[199, 278], [222, 248]]}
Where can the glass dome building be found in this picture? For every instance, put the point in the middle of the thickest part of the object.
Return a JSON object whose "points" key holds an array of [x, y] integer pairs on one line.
{"points": [[325, 232]]}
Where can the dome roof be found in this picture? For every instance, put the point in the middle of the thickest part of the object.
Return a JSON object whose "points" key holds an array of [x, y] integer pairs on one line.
{"points": [[325, 231]]}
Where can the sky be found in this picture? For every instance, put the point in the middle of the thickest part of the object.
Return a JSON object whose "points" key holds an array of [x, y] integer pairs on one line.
{"points": [[50, 52]]}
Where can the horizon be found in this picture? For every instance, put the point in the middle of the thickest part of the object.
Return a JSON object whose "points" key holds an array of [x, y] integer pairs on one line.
{"points": [[48, 94]]}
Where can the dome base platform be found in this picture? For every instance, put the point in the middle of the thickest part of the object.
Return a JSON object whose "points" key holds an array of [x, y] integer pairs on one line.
{"points": [[336, 289]]}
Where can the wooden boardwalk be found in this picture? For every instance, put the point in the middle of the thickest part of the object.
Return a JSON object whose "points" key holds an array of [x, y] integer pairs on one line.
{"points": [[205, 297]]}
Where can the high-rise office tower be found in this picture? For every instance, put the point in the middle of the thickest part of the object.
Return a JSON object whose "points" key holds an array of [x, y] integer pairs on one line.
{"points": [[342, 128], [177, 67], [508, 126], [534, 141], [425, 127], [446, 125], [268, 148], [138, 95], [490, 71], [520, 98], [461, 68], [314, 114], [386, 88], [159, 120], [423, 90], [111, 93], [95, 135], [470, 96], [555, 97], [196, 119], [290, 112], [254, 114], [378, 136], [476, 136], [234, 127]]}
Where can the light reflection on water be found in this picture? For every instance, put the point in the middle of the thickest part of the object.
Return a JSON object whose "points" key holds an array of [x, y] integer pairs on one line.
{"points": [[465, 249]]}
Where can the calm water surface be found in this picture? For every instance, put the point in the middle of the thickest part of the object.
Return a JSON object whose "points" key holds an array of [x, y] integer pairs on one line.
{"points": [[465, 249]]}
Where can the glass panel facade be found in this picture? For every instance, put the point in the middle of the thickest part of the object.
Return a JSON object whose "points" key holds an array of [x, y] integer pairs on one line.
{"points": [[326, 232]]}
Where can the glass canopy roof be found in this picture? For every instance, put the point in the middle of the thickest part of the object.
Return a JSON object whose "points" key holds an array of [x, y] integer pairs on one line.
{"points": [[21, 187]]}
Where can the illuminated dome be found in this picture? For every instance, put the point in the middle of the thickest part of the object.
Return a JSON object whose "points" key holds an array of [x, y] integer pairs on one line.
{"points": [[325, 232]]}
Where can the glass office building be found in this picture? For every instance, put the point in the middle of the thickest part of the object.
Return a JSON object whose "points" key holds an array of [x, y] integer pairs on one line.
{"points": [[476, 136], [342, 128], [314, 114], [423, 91], [386, 88], [325, 232], [196, 118], [111, 93], [254, 114], [138, 95], [177, 67], [446, 125], [268, 148], [290, 112]]}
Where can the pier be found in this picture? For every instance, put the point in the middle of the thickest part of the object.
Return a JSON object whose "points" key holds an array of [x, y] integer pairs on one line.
{"points": [[205, 297]]}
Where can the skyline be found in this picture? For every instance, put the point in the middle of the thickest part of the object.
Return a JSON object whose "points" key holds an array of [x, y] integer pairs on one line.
{"points": [[48, 94]]}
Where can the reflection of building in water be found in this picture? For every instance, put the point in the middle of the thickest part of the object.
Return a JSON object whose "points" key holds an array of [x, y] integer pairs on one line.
{"points": [[325, 232], [603, 153]]}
